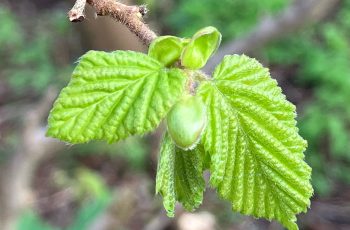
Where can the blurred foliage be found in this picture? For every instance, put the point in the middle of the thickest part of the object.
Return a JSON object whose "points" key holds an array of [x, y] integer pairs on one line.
{"points": [[10, 32], [86, 185], [321, 56], [33, 55], [30, 220], [88, 213], [28, 51], [83, 219], [230, 17], [134, 150]]}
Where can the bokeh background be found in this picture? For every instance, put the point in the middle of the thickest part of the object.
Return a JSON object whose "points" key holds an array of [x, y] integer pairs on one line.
{"points": [[46, 185]]}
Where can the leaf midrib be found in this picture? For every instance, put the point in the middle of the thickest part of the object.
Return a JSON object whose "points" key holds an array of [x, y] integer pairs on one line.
{"points": [[235, 113]]}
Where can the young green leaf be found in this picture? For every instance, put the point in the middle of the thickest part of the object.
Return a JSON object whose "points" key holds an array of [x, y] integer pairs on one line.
{"points": [[166, 49], [256, 151], [114, 95], [201, 47], [180, 176]]}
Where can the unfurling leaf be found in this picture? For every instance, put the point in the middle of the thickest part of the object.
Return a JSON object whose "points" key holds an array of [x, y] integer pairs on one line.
{"points": [[166, 49], [186, 121], [255, 149], [179, 176], [114, 95], [200, 48]]}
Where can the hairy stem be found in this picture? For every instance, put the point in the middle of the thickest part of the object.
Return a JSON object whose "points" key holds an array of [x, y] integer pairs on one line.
{"points": [[130, 16], [76, 14]]}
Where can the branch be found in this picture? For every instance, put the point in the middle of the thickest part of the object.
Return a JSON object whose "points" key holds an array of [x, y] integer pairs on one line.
{"points": [[130, 16], [77, 13], [293, 18]]}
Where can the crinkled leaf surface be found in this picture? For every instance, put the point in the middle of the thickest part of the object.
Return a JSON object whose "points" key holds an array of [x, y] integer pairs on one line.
{"points": [[256, 151], [114, 95], [180, 176]]}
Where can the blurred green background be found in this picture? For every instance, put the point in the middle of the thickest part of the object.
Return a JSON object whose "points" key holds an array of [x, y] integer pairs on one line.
{"points": [[101, 186]]}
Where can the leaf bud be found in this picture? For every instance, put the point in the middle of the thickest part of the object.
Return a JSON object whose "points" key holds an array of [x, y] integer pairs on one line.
{"points": [[186, 121]]}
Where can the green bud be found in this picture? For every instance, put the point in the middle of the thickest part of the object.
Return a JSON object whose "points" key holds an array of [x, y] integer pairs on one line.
{"points": [[166, 49], [201, 47], [186, 121]]}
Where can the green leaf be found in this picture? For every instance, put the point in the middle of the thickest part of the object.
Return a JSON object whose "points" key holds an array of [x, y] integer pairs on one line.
{"points": [[256, 151], [179, 176], [201, 47], [166, 49], [114, 95]]}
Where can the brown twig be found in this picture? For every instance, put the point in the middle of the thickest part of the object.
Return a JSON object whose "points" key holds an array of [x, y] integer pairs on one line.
{"points": [[130, 16], [76, 14]]}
